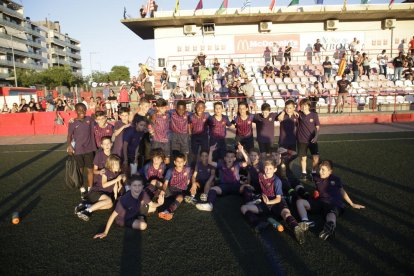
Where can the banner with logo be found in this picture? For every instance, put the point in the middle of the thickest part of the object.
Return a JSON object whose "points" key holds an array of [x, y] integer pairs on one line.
{"points": [[257, 44]]}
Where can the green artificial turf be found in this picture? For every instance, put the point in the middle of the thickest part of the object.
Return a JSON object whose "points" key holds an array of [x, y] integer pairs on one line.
{"points": [[377, 170]]}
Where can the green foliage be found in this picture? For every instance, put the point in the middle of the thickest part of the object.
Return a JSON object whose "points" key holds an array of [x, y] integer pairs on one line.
{"points": [[98, 76], [119, 73], [51, 77]]}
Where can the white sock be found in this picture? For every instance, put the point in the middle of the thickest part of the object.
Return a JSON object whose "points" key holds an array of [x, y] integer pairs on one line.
{"points": [[88, 210], [82, 189], [305, 218]]}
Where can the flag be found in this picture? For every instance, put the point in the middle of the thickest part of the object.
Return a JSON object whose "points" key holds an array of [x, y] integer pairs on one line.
{"points": [[223, 7], [124, 12], [199, 6], [391, 2], [344, 7], [319, 2], [246, 4], [294, 2], [150, 5], [272, 5], [364, 1], [177, 6]]}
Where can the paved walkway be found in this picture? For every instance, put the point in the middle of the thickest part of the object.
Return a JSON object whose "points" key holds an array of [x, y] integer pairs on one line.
{"points": [[329, 129]]}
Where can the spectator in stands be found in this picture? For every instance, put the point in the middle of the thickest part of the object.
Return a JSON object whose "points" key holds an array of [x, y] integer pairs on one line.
{"points": [[49, 106], [288, 52], [308, 53], [233, 99], [133, 97], [149, 85], [267, 54], [303, 90], [198, 88], [408, 73], [366, 64], [285, 70], [15, 108], [409, 60], [60, 105], [317, 51], [202, 58], [231, 63], [177, 93], [242, 71], [355, 68], [204, 73], [32, 104], [229, 75], [5, 109], [143, 71], [142, 11], [402, 46], [113, 103], [268, 71], [275, 52], [352, 46], [327, 69], [196, 67], [92, 104], [155, 5], [248, 91], [163, 76], [314, 93], [398, 66], [23, 106], [105, 92], [39, 108], [208, 88], [342, 90], [173, 77], [69, 105], [382, 62], [123, 97], [411, 46], [358, 46], [216, 66], [100, 105]]}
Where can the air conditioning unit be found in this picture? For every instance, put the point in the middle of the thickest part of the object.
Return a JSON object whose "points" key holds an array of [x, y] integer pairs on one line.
{"points": [[389, 23], [331, 24], [265, 26], [189, 29], [208, 28]]}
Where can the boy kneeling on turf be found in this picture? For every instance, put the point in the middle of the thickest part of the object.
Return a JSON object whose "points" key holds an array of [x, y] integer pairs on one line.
{"points": [[229, 175], [272, 202], [175, 184], [132, 207], [327, 199]]}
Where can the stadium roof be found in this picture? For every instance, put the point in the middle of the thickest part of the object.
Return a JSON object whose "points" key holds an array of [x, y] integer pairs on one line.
{"points": [[144, 27]]}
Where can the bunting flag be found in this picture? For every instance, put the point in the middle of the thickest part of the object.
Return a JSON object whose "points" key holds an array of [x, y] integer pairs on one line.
{"points": [[150, 5], [294, 2], [246, 4], [391, 2], [199, 6], [223, 7], [177, 6], [364, 1], [272, 5], [125, 13], [319, 2]]}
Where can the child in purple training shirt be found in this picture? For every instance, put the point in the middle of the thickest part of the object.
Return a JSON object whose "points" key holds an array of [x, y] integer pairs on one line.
{"points": [[132, 208], [119, 128], [102, 155], [328, 199]]}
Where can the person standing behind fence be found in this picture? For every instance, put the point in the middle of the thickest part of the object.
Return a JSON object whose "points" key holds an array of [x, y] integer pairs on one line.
{"points": [[366, 64], [398, 66], [382, 62], [134, 98], [275, 52], [173, 77], [123, 97], [327, 69], [317, 51]]}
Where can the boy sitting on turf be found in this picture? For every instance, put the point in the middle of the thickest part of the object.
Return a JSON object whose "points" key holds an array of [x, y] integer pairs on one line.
{"points": [[132, 208], [175, 185], [81, 144], [104, 191], [255, 166], [328, 199], [229, 176], [102, 128], [102, 155], [272, 202], [203, 177]]}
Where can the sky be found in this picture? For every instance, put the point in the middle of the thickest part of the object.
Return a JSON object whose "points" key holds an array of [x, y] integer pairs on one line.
{"points": [[105, 41]]}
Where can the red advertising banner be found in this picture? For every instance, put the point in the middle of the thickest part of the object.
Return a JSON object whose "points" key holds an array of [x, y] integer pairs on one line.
{"points": [[256, 44]]}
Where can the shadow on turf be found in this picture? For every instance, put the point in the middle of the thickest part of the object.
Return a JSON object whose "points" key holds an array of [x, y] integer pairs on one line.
{"points": [[31, 187], [131, 253], [29, 161]]}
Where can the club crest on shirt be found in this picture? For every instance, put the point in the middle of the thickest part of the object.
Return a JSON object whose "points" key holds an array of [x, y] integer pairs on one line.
{"points": [[333, 183], [164, 117], [185, 174], [88, 122], [270, 119], [249, 122], [223, 123], [107, 131], [311, 120]]}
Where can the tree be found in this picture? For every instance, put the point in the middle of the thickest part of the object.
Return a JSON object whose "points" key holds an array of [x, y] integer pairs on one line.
{"points": [[119, 73], [51, 77], [98, 76]]}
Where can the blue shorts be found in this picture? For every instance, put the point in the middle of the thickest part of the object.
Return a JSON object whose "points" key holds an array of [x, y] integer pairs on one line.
{"points": [[230, 188]]}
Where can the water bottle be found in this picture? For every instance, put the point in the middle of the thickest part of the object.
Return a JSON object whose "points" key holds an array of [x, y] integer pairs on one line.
{"points": [[275, 224], [15, 218]]}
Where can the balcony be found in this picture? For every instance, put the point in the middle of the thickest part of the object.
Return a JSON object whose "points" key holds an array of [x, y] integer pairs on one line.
{"points": [[4, 76], [75, 64], [33, 66], [12, 25], [11, 12], [17, 39], [73, 55], [57, 51]]}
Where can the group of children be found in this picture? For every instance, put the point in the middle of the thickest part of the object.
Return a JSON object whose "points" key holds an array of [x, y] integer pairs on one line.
{"points": [[132, 168]]}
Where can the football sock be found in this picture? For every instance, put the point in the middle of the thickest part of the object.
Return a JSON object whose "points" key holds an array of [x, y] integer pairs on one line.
{"points": [[88, 210], [82, 189], [173, 206], [212, 196], [291, 222]]}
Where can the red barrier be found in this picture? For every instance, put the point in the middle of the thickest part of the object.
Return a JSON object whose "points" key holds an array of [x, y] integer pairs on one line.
{"points": [[17, 124]]}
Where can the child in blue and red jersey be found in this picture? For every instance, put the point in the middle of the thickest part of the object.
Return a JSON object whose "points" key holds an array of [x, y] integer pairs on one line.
{"points": [[244, 126], [203, 177], [328, 199], [102, 128], [180, 128], [102, 155], [218, 124], [229, 176], [199, 129], [119, 128], [160, 128], [175, 185], [272, 202]]}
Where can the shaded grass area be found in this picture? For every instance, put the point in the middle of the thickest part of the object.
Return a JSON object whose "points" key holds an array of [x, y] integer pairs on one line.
{"points": [[51, 240]]}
